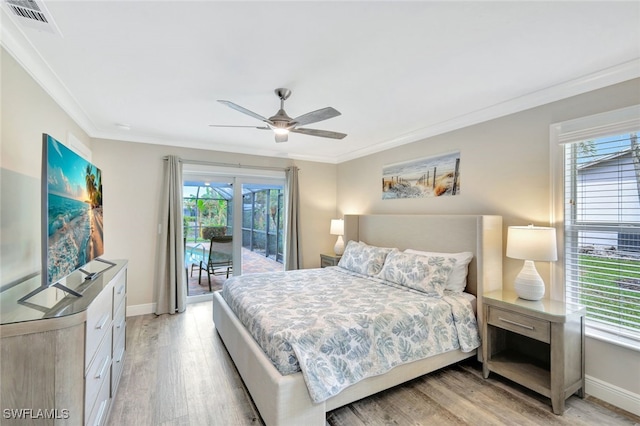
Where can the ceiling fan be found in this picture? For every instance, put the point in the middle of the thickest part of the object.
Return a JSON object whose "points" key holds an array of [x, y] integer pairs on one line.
{"points": [[282, 124]]}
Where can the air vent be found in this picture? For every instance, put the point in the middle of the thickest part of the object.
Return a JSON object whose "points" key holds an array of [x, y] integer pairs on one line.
{"points": [[28, 9], [32, 14]]}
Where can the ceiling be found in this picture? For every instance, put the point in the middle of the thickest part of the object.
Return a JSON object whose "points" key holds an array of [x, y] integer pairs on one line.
{"points": [[397, 71]]}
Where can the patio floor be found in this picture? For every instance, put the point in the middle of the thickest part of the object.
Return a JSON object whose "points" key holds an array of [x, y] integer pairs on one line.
{"points": [[252, 263]]}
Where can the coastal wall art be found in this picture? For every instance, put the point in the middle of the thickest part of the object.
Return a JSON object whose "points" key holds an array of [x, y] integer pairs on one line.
{"points": [[72, 211], [422, 178]]}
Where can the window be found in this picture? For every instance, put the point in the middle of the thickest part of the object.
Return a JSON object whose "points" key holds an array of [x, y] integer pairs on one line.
{"points": [[601, 210]]}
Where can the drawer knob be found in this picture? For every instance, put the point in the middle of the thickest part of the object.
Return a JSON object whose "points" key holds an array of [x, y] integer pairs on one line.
{"points": [[528, 327]]}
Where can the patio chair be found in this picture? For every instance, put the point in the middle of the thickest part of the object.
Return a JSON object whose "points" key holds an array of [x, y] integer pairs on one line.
{"points": [[220, 259], [193, 256]]}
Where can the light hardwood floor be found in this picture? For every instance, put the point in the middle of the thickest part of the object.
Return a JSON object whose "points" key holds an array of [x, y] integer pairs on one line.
{"points": [[177, 372]]}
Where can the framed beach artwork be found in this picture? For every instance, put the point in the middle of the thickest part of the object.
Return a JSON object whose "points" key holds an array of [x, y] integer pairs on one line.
{"points": [[435, 176]]}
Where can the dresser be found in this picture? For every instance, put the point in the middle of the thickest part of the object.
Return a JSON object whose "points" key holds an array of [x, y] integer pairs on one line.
{"points": [[62, 355]]}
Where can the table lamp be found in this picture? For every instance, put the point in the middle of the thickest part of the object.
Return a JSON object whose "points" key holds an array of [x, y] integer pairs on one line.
{"points": [[337, 228], [531, 243]]}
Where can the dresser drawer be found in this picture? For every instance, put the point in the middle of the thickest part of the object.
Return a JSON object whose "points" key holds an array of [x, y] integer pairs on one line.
{"points": [[118, 361], [98, 415], [99, 316], [119, 291], [119, 323], [99, 373], [522, 324]]}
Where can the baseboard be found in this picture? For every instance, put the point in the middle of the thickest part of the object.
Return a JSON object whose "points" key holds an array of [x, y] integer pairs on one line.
{"points": [[150, 308], [613, 395], [200, 298], [135, 310]]}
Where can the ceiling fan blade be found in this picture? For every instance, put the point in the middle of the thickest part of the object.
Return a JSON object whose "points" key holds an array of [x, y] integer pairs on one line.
{"points": [[281, 137], [249, 127], [244, 110], [321, 133], [315, 116]]}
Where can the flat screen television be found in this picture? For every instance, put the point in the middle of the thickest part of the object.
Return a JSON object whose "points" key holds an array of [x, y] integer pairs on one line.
{"points": [[72, 215]]}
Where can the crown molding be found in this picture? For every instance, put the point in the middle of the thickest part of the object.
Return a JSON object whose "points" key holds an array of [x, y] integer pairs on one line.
{"points": [[607, 77], [14, 41]]}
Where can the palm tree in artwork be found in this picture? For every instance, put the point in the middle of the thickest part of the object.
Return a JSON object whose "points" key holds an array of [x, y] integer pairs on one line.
{"points": [[98, 184], [90, 180]]}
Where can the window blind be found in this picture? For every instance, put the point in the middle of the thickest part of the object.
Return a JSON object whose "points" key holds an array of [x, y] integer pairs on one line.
{"points": [[602, 229]]}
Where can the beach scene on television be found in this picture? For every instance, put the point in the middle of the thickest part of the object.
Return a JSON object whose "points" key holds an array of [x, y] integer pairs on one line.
{"points": [[74, 208], [425, 177]]}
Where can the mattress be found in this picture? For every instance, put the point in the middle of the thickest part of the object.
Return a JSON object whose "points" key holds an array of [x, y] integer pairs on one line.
{"points": [[339, 327]]}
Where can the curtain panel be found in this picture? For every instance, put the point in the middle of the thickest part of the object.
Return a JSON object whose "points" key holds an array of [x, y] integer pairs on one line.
{"points": [[293, 255], [171, 289]]}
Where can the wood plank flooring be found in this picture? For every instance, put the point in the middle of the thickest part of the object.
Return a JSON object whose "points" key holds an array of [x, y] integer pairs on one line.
{"points": [[177, 372]]}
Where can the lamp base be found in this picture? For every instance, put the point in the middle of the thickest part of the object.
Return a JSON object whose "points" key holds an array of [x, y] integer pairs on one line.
{"points": [[338, 249], [528, 283]]}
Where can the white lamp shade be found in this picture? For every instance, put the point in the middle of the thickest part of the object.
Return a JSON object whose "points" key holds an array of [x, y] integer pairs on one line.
{"points": [[337, 227], [532, 243]]}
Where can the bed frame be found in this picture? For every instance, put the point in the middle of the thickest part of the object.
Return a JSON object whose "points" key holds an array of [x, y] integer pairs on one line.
{"points": [[284, 400]]}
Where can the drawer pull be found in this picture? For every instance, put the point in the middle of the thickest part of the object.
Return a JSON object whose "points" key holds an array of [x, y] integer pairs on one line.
{"points": [[121, 324], [107, 360], [528, 327], [102, 322], [98, 421], [121, 356], [120, 290]]}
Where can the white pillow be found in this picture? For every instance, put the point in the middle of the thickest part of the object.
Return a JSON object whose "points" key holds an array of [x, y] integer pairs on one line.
{"points": [[458, 279]]}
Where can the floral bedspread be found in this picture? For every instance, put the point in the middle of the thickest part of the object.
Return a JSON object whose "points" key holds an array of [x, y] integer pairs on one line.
{"points": [[340, 327]]}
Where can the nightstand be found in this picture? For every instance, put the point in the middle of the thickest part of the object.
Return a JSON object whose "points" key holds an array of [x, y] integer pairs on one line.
{"points": [[538, 344], [329, 260]]}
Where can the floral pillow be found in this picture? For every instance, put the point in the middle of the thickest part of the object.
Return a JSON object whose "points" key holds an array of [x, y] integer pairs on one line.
{"points": [[457, 281], [426, 274], [363, 259]]}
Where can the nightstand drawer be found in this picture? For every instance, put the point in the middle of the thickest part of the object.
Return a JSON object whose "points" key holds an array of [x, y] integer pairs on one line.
{"points": [[329, 260], [521, 324]]}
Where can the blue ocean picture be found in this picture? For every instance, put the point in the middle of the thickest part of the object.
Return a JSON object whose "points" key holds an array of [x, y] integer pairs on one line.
{"points": [[425, 177], [74, 211]]}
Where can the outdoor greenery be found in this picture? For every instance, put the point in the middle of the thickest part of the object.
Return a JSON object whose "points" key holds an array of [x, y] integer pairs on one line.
{"points": [[605, 295], [208, 212], [208, 232], [202, 212]]}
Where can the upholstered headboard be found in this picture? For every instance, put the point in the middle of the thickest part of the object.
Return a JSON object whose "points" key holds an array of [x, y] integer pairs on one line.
{"points": [[479, 234]]}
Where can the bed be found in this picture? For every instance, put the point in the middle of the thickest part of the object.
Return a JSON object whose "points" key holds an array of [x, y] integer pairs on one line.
{"points": [[285, 399]]}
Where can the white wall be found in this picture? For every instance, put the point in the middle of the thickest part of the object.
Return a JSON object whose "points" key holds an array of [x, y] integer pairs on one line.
{"points": [[26, 112], [132, 178], [504, 170]]}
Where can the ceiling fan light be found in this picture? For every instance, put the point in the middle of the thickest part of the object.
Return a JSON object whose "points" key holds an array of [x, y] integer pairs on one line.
{"points": [[280, 131]]}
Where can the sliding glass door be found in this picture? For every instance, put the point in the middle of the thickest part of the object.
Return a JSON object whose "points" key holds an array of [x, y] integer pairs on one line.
{"points": [[233, 224], [262, 227], [208, 229]]}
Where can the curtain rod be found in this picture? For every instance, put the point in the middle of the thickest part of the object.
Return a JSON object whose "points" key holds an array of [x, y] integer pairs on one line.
{"points": [[238, 165]]}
